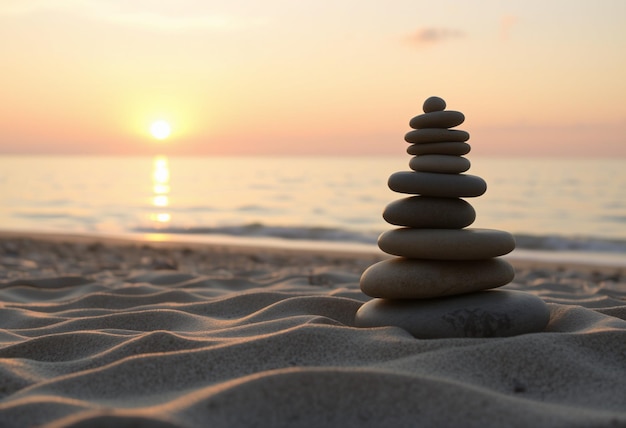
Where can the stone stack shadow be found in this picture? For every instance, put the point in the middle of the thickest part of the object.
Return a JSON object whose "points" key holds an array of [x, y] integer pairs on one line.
{"points": [[445, 277]]}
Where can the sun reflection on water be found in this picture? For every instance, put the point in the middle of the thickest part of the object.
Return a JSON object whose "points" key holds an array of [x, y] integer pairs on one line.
{"points": [[160, 190]]}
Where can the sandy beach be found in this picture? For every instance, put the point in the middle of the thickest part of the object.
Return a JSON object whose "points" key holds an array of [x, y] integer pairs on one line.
{"points": [[107, 332]]}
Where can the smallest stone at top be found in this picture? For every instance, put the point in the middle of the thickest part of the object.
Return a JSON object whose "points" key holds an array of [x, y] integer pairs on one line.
{"points": [[434, 104]]}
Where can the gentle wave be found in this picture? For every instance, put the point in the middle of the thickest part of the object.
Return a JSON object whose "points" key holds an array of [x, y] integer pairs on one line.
{"points": [[252, 230], [259, 230], [561, 243]]}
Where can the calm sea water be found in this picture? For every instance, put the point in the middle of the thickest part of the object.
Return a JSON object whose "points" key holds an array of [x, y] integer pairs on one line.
{"points": [[546, 203]]}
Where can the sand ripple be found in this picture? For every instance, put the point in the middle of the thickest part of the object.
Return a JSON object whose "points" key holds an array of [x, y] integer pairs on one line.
{"points": [[171, 349]]}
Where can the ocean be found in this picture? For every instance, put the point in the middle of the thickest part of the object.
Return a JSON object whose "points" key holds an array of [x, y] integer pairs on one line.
{"points": [[547, 203]]}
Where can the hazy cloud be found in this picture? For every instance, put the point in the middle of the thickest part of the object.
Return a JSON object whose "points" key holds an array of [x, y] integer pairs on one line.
{"points": [[429, 36]]}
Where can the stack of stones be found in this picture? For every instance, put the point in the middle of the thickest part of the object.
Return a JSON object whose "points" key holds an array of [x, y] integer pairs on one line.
{"points": [[443, 281]]}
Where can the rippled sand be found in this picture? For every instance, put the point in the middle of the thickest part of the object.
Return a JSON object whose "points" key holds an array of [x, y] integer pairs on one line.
{"points": [[134, 334]]}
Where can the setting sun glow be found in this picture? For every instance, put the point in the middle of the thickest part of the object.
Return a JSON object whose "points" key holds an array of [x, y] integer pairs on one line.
{"points": [[134, 77], [160, 129]]}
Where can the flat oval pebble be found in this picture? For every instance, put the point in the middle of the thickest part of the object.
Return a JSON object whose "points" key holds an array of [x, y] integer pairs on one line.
{"points": [[435, 135], [492, 313], [433, 104], [439, 163], [428, 212], [434, 184], [446, 244], [401, 278], [437, 119], [446, 148]]}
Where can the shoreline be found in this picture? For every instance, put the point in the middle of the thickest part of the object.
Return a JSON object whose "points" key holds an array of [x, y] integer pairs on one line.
{"points": [[585, 261]]}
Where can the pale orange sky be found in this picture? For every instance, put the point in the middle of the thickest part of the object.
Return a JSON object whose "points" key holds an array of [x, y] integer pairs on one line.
{"points": [[533, 77]]}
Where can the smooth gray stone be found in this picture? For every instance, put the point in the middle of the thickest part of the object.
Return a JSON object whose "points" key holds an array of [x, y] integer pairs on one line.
{"points": [[428, 212], [446, 148], [435, 135], [492, 313], [401, 278], [446, 244], [434, 184], [437, 119], [439, 163], [433, 104]]}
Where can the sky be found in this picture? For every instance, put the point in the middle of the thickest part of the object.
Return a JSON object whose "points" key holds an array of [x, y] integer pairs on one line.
{"points": [[310, 77]]}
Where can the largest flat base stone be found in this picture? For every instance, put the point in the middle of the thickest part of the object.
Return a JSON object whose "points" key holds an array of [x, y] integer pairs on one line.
{"points": [[492, 313]]}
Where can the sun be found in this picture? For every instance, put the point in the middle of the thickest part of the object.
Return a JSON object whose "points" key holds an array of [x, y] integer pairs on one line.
{"points": [[160, 129]]}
